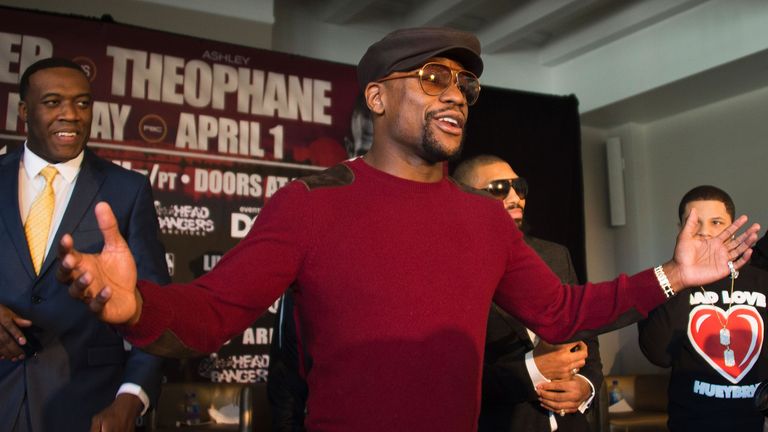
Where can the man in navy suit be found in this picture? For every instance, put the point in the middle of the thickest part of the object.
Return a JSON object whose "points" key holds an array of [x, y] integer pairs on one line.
{"points": [[60, 367], [529, 384]]}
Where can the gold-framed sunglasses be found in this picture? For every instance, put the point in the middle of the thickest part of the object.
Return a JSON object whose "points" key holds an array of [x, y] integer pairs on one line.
{"points": [[435, 78]]}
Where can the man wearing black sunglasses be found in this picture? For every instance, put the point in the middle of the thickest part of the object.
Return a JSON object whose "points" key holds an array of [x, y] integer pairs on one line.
{"points": [[393, 264], [526, 381], [493, 175]]}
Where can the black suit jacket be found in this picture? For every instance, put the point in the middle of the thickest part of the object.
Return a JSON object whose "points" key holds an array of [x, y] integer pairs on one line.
{"points": [[81, 362], [509, 400]]}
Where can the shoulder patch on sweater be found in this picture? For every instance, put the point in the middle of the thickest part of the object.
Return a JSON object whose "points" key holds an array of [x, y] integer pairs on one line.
{"points": [[471, 190], [337, 175]]}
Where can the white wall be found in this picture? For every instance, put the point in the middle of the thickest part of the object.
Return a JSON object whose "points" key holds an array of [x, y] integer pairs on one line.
{"points": [[724, 144], [614, 250], [712, 34]]}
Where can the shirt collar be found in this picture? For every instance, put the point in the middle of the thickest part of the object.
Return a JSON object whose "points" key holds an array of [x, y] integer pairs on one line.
{"points": [[33, 164]]}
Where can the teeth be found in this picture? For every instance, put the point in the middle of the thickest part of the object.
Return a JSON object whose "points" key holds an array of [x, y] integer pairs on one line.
{"points": [[66, 134], [449, 120]]}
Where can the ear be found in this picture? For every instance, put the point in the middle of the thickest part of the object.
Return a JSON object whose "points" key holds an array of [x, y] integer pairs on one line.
{"points": [[23, 111], [374, 97]]}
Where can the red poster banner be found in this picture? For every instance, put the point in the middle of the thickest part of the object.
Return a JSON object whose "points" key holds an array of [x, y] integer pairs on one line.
{"points": [[216, 127]]}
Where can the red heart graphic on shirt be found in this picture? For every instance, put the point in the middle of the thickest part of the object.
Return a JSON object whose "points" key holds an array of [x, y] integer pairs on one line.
{"points": [[746, 327]]}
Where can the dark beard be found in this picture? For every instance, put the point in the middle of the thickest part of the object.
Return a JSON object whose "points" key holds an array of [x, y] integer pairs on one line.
{"points": [[431, 150]]}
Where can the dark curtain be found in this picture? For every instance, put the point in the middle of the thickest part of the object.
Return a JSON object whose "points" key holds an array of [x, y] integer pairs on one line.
{"points": [[539, 135]]}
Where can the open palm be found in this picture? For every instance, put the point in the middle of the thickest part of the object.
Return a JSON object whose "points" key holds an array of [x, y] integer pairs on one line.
{"points": [[105, 281], [702, 261]]}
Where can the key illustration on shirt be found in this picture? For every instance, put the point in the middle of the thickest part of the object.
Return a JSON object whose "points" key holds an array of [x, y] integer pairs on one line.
{"points": [[745, 326]]}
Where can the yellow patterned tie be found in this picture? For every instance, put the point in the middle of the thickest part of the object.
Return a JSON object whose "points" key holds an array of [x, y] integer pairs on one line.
{"points": [[38, 222]]}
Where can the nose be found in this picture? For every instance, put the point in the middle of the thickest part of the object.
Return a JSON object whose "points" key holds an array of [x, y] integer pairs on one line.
{"points": [[703, 232], [68, 111], [512, 197], [452, 93]]}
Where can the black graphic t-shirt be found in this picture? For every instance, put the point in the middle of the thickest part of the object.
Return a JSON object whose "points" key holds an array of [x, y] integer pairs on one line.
{"points": [[714, 341]]}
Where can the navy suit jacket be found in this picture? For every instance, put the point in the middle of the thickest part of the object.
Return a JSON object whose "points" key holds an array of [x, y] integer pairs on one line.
{"points": [[80, 362], [509, 400]]}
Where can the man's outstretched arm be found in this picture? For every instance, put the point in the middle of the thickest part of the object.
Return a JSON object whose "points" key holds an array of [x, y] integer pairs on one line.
{"points": [[190, 319], [558, 312], [106, 282]]}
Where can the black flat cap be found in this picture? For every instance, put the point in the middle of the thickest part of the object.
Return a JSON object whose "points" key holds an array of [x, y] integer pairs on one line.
{"points": [[408, 49]]}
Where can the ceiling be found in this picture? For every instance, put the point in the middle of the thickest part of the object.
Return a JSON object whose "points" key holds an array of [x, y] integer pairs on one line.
{"points": [[557, 29]]}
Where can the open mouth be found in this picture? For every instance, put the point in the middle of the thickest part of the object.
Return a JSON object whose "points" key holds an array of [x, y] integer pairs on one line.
{"points": [[449, 120], [66, 137], [450, 124]]}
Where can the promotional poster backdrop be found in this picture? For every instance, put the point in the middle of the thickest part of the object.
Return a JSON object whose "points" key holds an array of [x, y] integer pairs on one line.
{"points": [[217, 128]]}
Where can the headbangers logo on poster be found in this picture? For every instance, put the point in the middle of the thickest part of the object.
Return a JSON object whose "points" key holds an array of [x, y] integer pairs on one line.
{"points": [[216, 128], [187, 220]]}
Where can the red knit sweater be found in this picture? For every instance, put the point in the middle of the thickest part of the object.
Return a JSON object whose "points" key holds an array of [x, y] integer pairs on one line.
{"points": [[395, 280]]}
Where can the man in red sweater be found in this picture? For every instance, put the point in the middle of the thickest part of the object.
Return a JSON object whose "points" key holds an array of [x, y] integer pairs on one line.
{"points": [[393, 272]]}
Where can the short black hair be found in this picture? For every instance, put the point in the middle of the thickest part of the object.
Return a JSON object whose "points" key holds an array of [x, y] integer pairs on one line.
{"points": [[464, 172], [47, 63], [707, 193]]}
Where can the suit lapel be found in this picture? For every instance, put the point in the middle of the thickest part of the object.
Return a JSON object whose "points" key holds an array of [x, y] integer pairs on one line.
{"points": [[9, 211], [88, 183]]}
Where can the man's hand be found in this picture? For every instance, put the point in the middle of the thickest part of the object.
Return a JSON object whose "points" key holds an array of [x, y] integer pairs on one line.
{"points": [[564, 397], [698, 261], [119, 416], [11, 337], [106, 282], [559, 362]]}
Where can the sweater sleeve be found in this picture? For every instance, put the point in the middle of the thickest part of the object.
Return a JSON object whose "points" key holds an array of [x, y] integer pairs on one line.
{"points": [[181, 320], [557, 312]]}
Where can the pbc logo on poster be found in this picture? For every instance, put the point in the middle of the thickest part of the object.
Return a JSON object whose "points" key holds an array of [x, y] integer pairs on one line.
{"points": [[170, 261], [153, 128]]}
